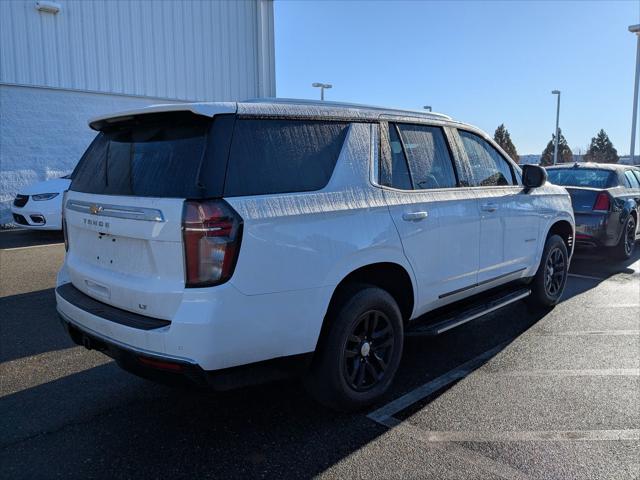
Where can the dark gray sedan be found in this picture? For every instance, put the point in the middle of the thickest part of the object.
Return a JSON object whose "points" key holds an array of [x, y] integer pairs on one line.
{"points": [[606, 204]]}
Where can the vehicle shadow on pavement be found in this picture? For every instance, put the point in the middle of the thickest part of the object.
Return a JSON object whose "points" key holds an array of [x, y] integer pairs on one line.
{"points": [[105, 422], [29, 325], [20, 238]]}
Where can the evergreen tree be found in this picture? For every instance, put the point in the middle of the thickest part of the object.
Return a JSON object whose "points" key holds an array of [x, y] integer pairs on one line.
{"points": [[502, 138], [601, 150], [565, 155]]}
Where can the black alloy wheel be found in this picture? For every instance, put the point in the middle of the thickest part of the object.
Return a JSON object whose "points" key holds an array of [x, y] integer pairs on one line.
{"points": [[629, 237], [359, 351], [547, 285], [554, 272], [368, 351]]}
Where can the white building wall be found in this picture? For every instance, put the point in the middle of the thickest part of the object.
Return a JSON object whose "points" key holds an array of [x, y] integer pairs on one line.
{"points": [[43, 133], [97, 56], [186, 50]]}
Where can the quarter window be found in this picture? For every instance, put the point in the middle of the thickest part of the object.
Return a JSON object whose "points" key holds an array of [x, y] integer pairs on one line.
{"points": [[489, 168], [280, 156]]}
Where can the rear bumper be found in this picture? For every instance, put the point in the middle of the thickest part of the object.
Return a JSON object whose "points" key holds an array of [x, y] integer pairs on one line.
{"points": [[180, 371], [596, 230], [213, 328], [141, 362]]}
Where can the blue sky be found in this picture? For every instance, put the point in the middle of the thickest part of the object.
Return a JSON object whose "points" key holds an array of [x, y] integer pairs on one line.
{"points": [[485, 63]]}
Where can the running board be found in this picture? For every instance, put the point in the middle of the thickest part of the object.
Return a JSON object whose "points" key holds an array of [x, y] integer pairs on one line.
{"points": [[451, 319]]}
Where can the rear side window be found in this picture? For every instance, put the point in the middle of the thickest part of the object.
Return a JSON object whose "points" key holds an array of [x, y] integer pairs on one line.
{"points": [[633, 181], [149, 157], [582, 177], [489, 168], [280, 156]]}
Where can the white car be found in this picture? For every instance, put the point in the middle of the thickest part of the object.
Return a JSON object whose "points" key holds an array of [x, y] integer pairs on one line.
{"points": [[231, 243], [39, 206]]}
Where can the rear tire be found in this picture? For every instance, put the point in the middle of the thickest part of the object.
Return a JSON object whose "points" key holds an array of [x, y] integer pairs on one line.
{"points": [[627, 244], [359, 354], [549, 281]]}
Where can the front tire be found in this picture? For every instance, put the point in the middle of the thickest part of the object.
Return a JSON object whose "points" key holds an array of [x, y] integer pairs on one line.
{"points": [[359, 354], [627, 244], [550, 279]]}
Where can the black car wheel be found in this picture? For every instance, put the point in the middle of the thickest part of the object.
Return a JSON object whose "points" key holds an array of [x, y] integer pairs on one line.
{"points": [[368, 350], [359, 351], [550, 279], [627, 244]]}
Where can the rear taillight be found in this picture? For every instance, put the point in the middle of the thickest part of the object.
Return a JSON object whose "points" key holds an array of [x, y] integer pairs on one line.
{"points": [[211, 231], [64, 223], [602, 203]]}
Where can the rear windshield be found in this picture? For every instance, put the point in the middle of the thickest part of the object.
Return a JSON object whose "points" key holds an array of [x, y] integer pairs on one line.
{"points": [[187, 156], [150, 158], [582, 177]]}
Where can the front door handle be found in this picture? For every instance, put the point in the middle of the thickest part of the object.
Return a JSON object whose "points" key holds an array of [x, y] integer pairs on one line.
{"points": [[489, 207], [414, 216]]}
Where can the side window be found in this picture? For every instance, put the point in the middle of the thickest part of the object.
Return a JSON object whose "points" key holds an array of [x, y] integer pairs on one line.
{"points": [[428, 156], [488, 166], [397, 174], [637, 174], [633, 181], [281, 156]]}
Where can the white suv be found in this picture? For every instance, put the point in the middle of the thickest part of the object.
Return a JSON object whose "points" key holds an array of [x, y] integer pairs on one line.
{"points": [[229, 243]]}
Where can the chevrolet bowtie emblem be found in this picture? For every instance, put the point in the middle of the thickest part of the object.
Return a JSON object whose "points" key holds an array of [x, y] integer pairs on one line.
{"points": [[95, 209]]}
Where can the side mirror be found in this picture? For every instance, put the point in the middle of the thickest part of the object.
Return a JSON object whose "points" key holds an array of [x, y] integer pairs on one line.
{"points": [[533, 176]]}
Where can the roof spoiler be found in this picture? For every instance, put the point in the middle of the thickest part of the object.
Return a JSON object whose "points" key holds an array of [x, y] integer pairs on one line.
{"points": [[202, 109]]}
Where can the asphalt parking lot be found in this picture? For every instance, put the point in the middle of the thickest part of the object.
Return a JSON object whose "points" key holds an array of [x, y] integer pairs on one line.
{"points": [[511, 395]]}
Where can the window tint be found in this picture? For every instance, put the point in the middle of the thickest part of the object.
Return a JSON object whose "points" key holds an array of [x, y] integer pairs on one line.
{"points": [[279, 156], [428, 156], [489, 168], [158, 156], [582, 177], [394, 172], [632, 179]]}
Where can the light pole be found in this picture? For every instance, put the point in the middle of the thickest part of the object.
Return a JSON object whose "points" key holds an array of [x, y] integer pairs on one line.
{"points": [[321, 86], [555, 144], [635, 29], [427, 107]]}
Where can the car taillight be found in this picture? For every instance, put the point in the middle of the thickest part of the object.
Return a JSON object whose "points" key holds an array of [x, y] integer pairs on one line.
{"points": [[602, 203], [64, 223], [211, 231]]}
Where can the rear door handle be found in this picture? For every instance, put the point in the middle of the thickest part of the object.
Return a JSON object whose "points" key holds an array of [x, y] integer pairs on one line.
{"points": [[489, 207], [414, 216]]}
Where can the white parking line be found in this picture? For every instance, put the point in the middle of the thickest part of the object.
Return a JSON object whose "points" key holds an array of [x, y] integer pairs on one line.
{"points": [[588, 277], [519, 436], [31, 246], [470, 457], [586, 372], [586, 332], [458, 373]]}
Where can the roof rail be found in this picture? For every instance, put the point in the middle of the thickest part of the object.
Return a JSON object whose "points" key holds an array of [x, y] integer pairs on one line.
{"points": [[302, 101]]}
